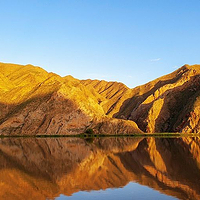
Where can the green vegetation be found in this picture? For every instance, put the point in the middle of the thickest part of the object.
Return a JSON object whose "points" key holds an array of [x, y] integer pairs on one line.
{"points": [[92, 136], [89, 131]]}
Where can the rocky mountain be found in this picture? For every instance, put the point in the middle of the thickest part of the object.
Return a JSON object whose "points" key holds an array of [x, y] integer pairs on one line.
{"points": [[170, 103], [35, 168], [33, 101]]}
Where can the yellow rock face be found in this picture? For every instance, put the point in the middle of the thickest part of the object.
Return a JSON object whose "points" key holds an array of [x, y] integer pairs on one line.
{"points": [[171, 105], [167, 104], [33, 101]]}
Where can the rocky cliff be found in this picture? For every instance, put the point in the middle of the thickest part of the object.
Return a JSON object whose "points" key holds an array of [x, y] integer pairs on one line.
{"points": [[167, 104], [33, 101]]}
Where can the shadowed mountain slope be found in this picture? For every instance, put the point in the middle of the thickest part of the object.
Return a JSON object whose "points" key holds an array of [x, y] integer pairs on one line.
{"points": [[167, 104], [33, 101]]}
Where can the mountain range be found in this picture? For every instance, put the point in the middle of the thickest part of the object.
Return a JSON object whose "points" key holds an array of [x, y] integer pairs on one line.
{"points": [[35, 102]]}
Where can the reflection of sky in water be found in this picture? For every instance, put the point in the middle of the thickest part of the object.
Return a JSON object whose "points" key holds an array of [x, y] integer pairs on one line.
{"points": [[130, 191]]}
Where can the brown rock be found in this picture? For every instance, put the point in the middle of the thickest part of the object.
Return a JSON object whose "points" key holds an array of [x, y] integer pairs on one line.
{"points": [[33, 101]]}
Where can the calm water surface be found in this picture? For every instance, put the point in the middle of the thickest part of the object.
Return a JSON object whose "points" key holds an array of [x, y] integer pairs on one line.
{"points": [[104, 168]]}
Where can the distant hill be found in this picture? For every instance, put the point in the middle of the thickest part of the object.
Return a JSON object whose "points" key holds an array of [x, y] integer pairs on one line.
{"points": [[33, 101]]}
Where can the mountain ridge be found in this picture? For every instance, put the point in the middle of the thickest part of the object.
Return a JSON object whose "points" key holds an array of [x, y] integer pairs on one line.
{"points": [[33, 101], [38, 102]]}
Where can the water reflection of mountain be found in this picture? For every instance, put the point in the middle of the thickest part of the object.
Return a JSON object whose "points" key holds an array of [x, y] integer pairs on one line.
{"points": [[41, 168]]}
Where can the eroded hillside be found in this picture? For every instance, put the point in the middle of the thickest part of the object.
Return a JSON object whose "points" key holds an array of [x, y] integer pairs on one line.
{"points": [[33, 101], [167, 104]]}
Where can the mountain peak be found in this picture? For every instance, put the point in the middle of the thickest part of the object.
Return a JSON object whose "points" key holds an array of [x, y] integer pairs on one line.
{"points": [[34, 101]]}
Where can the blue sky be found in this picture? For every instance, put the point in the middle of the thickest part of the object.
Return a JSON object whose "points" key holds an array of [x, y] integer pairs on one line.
{"points": [[132, 41]]}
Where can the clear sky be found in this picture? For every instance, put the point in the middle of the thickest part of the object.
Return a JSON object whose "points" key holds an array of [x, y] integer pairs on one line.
{"points": [[132, 41]]}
